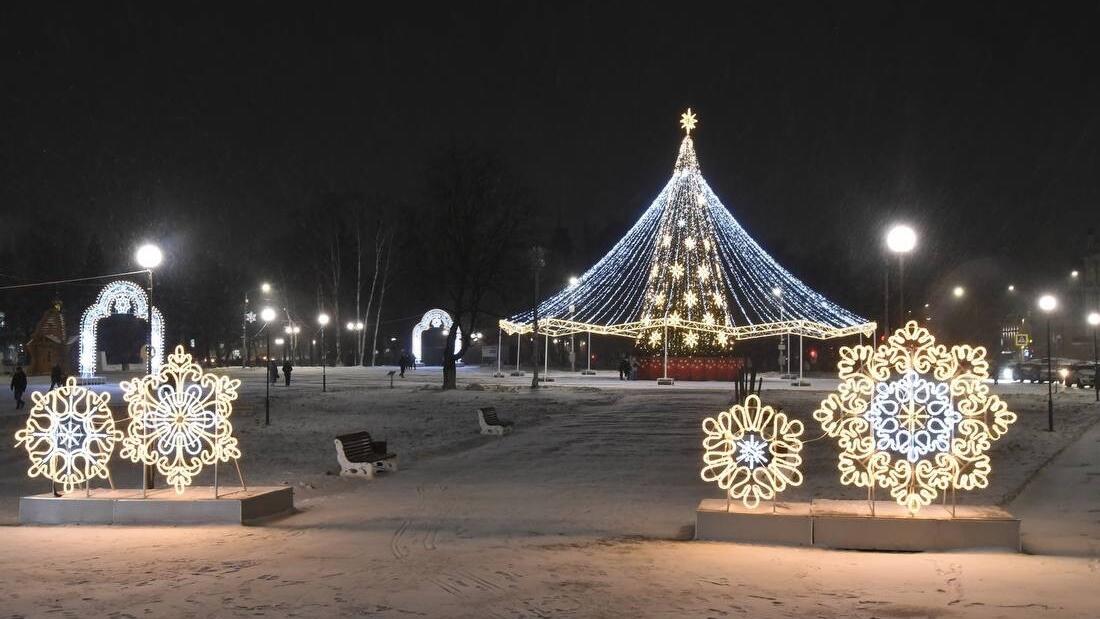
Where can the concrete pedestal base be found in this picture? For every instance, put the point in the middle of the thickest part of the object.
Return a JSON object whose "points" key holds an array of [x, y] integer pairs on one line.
{"points": [[666, 381], [849, 524], [789, 525], [196, 505]]}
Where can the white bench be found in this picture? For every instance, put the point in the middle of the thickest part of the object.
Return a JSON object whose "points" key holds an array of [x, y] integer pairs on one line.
{"points": [[491, 424], [359, 456]]}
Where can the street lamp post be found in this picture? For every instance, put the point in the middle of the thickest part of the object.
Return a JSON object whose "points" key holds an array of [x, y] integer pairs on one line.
{"points": [[148, 257], [1047, 303], [538, 261], [267, 315], [1094, 322], [322, 319], [901, 239]]}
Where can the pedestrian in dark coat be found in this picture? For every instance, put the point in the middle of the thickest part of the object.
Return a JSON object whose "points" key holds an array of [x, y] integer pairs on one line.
{"points": [[287, 369], [624, 368], [19, 386], [403, 362], [273, 371], [56, 378]]}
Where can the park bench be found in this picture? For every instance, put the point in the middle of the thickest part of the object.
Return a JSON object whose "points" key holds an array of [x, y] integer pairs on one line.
{"points": [[491, 424], [358, 455]]}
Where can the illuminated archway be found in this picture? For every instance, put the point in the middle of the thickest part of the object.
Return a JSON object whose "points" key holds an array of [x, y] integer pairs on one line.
{"points": [[434, 319], [118, 297]]}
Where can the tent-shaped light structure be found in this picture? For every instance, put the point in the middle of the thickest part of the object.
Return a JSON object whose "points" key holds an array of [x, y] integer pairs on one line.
{"points": [[689, 270]]}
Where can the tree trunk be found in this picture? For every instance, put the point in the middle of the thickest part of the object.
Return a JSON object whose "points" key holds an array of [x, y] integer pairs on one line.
{"points": [[381, 297]]}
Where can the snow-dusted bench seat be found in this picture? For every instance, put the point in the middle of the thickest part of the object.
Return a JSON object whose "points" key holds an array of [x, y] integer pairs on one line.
{"points": [[491, 424], [358, 455]]}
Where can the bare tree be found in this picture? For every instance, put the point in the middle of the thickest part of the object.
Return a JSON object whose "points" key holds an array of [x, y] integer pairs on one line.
{"points": [[381, 296], [475, 221]]}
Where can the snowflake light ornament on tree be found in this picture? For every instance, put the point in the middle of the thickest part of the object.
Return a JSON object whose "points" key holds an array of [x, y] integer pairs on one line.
{"points": [[914, 417], [69, 435], [179, 419], [753, 451]]}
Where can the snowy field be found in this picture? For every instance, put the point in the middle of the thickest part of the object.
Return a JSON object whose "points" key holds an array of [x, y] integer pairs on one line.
{"points": [[586, 510]]}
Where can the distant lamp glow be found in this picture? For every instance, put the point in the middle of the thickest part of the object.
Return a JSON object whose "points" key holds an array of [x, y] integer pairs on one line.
{"points": [[149, 256], [296, 330], [179, 419], [267, 314], [358, 326], [958, 292], [777, 291], [288, 329], [322, 319], [1011, 288], [573, 281], [1074, 274], [901, 239], [1047, 303], [265, 287], [350, 326], [279, 341], [1094, 318], [1063, 373]]}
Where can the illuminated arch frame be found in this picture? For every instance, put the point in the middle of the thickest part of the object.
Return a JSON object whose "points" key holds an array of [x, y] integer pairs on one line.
{"points": [[117, 297], [432, 319]]}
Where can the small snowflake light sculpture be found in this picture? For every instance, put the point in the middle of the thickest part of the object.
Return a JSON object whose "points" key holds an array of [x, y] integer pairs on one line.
{"points": [[753, 451], [69, 435], [914, 417], [179, 419]]}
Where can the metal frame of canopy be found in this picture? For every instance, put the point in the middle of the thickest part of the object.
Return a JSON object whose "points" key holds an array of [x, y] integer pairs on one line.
{"points": [[558, 327]]}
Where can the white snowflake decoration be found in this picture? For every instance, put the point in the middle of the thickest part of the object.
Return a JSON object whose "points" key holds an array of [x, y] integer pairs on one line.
{"points": [[179, 419], [69, 435], [912, 416], [753, 452]]}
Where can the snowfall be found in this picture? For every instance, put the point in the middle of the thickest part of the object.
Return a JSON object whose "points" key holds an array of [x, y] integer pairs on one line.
{"points": [[586, 510]]}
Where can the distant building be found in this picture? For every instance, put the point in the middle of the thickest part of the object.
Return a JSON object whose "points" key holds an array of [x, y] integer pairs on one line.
{"points": [[48, 344]]}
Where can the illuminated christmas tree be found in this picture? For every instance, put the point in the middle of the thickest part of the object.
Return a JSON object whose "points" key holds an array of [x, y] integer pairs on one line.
{"points": [[689, 270]]}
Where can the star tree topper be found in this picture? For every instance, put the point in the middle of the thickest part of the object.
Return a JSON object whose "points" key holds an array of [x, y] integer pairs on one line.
{"points": [[688, 121]]}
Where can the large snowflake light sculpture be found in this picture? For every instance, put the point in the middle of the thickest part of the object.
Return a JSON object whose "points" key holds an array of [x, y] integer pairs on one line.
{"points": [[69, 435], [753, 451], [179, 419], [914, 417]]}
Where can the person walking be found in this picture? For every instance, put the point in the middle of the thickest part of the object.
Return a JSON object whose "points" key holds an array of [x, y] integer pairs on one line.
{"points": [[624, 368], [273, 371], [19, 386], [55, 376], [403, 362], [287, 369], [634, 367]]}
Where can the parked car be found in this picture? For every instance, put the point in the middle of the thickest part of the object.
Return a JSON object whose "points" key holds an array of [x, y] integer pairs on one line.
{"points": [[1082, 375], [1035, 370]]}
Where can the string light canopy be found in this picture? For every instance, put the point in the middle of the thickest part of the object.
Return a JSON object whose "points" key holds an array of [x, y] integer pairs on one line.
{"points": [[689, 272]]}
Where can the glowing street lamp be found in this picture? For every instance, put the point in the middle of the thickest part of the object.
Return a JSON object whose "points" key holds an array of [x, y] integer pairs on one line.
{"points": [[1048, 303], [267, 315], [1074, 274], [323, 319], [573, 281], [1094, 322], [958, 292], [149, 257], [266, 288], [900, 239], [1011, 288]]}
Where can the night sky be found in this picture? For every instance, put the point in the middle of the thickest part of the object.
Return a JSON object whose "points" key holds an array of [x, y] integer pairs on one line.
{"points": [[819, 123]]}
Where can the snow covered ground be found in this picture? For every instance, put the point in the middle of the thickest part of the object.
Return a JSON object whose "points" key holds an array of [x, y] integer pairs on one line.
{"points": [[586, 510]]}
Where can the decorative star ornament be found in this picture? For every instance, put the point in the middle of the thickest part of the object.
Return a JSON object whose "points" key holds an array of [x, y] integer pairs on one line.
{"points": [[688, 121], [250, 316]]}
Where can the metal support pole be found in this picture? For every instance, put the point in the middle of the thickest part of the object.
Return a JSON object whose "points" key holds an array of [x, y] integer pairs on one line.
{"points": [[546, 355], [800, 336], [901, 288], [244, 335], [588, 352], [886, 302], [1095, 367], [665, 343], [267, 377], [148, 472], [324, 359], [518, 344], [1050, 383]]}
